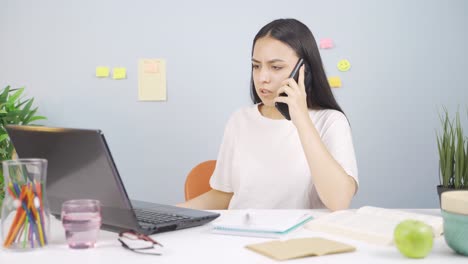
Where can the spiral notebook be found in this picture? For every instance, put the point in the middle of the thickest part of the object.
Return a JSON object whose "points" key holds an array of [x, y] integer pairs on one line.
{"points": [[262, 223]]}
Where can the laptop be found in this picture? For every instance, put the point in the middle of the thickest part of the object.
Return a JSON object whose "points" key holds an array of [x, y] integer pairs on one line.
{"points": [[80, 166]]}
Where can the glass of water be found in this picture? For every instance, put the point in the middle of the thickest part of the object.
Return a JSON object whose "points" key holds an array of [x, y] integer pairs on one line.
{"points": [[82, 221]]}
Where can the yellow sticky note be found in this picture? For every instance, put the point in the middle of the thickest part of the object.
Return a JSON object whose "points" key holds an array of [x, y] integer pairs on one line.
{"points": [[343, 65], [119, 73], [102, 71], [152, 80], [335, 82]]}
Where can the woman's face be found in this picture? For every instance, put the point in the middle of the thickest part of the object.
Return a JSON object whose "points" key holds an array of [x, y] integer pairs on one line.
{"points": [[272, 63]]}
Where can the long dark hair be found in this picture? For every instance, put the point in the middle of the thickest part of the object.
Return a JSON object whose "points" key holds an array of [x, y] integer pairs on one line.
{"points": [[298, 36]]}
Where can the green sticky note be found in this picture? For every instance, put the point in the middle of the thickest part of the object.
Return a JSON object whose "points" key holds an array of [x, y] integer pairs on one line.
{"points": [[119, 73], [102, 71]]}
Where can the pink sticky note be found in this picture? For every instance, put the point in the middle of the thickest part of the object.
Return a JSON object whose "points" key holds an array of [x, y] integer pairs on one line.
{"points": [[151, 67], [326, 43]]}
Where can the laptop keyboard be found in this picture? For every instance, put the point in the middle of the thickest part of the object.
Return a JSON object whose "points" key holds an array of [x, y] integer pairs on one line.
{"points": [[151, 217]]}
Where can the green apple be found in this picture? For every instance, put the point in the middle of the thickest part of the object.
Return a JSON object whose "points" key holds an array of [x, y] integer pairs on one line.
{"points": [[413, 238]]}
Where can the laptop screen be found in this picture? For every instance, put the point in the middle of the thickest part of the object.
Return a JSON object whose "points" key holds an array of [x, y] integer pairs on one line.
{"points": [[80, 166]]}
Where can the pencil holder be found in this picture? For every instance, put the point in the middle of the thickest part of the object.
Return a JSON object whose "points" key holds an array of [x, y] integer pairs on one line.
{"points": [[25, 211]]}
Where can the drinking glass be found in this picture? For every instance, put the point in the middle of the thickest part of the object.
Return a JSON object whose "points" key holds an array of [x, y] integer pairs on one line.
{"points": [[82, 221]]}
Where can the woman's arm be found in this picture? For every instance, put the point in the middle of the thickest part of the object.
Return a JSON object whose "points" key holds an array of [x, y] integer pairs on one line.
{"points": [[211, 200], [334, 186]]}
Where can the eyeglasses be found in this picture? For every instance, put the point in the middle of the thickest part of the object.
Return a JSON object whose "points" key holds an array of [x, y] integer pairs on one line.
{"points": [[144, 244]]}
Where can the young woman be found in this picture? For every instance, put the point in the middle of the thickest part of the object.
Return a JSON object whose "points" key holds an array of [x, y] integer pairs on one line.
{"points": [[266, 161]]}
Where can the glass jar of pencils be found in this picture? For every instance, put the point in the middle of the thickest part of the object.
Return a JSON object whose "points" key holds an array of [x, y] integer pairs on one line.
{"points": [[25, 211]]}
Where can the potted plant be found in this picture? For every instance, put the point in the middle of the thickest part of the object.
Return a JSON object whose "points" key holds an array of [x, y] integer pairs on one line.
{"points": [[453, 154], [16, 110]]}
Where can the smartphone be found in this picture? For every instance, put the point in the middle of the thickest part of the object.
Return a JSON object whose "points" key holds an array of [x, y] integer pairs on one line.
{"points": [[283, 107]]}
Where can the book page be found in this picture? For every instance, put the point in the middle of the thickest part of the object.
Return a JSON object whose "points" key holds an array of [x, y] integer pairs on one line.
{"points": [[398, 215], [370, 224]]}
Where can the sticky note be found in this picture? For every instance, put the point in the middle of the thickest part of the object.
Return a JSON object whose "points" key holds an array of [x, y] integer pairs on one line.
{"points": [[334, 81], [326, 43], [119, 73], [343, 65], [102, 71], [152, 80], [150, 66]]}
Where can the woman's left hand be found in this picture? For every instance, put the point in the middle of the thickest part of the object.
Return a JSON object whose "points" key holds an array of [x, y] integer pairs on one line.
{"points": [[296, 99]]}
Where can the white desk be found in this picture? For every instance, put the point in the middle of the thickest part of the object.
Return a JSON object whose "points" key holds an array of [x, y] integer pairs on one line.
{"points": [[198, 245]]}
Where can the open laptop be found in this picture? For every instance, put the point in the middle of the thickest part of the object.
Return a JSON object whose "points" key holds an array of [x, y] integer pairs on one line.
{"points": [[80, 166]]}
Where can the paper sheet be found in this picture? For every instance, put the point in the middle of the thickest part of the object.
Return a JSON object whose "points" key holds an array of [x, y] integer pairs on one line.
{"points": [[152, 80]]}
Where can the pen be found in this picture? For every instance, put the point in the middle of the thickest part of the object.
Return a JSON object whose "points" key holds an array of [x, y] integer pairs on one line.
{"points": [[248, 217]]}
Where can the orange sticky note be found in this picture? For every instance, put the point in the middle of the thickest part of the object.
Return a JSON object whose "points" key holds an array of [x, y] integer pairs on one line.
{"points": [[335, 82]]}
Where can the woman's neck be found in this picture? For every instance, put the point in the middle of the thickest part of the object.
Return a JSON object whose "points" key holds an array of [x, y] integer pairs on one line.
{"points": [[269, 112]]}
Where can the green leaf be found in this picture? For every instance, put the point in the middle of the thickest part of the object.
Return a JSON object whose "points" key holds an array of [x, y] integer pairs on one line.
{"points": [[25, 110], [35, 118], [465, 177], [3, 137], [446, 147], [4, 95], [25, 121], [459, 153], [13, 110], [18, 105], [15, 96], [3, 152]]}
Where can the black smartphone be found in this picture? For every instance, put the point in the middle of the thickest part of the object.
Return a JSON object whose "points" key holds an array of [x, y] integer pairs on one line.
{"points": [[283, 107]]}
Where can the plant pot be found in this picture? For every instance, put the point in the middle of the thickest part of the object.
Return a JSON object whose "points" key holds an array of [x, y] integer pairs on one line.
{"points": [[441, 189]]}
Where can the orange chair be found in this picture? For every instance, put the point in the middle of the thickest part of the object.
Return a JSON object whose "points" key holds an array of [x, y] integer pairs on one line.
{"points": [[198, 179]]}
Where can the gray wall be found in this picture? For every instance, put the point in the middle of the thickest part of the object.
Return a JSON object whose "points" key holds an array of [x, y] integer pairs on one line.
{"points": [[408, 58]]}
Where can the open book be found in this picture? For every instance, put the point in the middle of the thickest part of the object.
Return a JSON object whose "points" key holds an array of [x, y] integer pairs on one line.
{"points": [[370, 224], [260, 223]]}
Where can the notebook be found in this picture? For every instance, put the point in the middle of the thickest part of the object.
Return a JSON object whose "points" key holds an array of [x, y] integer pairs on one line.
{"points": [[300, 247], [260, 223], [370, 224], [80, 166]]}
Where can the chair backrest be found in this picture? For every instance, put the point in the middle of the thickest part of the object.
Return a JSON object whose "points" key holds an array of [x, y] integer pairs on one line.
{"points": [[198, 179]]}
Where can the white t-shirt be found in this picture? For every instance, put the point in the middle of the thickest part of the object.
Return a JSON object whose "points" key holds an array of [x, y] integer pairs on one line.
{"points": [[262, 162]]}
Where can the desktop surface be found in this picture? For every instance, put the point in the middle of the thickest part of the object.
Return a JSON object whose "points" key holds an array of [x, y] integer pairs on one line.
{"points": [[199, 245]]}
